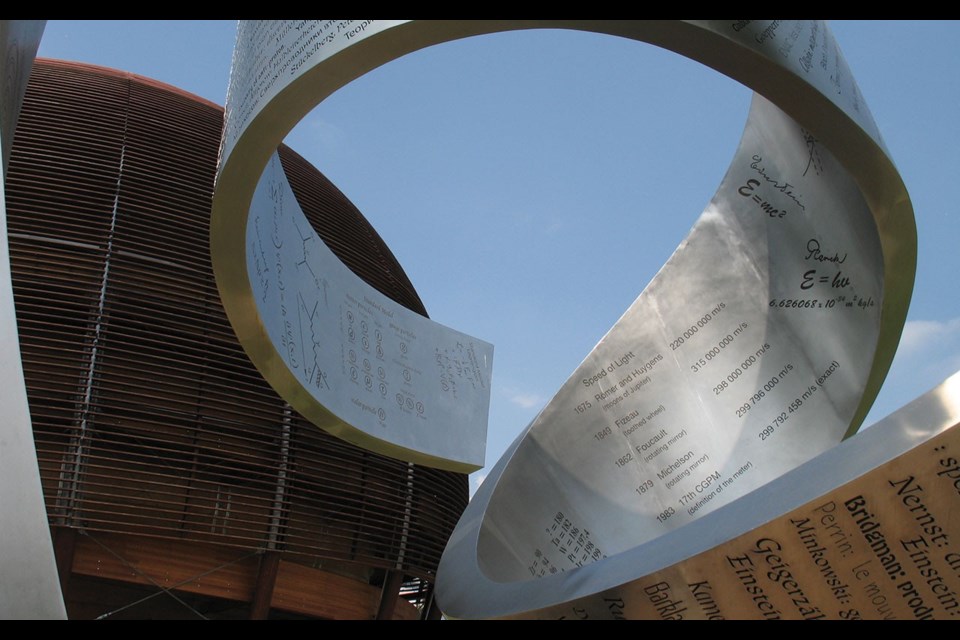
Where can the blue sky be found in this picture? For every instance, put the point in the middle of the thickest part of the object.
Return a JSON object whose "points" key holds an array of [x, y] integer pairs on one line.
{"points": [[531, 184]]}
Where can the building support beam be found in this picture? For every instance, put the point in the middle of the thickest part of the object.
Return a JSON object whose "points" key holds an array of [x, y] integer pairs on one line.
{"points": [[388, 597], [263, 590]]}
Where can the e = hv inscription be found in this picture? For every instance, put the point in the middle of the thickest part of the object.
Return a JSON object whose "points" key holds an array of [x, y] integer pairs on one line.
{"points": [[784, 358]]}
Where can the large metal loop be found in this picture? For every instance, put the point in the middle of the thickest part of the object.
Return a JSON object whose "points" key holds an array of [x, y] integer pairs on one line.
{"points": [[760, 344]]}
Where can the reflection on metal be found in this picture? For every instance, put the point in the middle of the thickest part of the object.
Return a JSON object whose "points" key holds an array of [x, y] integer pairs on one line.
{"points": [[760, 344], [27, 551], [865, 530], [368, 369], [350, 359]]}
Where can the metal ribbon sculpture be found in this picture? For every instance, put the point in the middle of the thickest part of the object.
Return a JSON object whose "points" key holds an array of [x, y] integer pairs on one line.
{"points": [[760, 344]]}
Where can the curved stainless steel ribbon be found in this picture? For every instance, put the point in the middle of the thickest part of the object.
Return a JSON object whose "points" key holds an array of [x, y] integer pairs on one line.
{"points": [[349, 358], [31, 586], [761, 343]]}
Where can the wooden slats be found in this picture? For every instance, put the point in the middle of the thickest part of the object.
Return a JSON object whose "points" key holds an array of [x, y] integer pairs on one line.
{"points": [[149, 419], [168, 564], [228, 574]]}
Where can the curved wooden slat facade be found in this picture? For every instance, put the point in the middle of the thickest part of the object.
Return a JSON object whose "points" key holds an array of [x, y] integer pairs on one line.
{"points": [[154, 432]]}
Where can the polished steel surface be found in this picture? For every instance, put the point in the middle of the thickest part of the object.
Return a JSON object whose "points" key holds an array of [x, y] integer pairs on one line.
{"points": [[728, 361], [760, 344], [27, 551], [863, 530], [367, 360], [356, 363]]}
